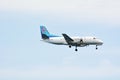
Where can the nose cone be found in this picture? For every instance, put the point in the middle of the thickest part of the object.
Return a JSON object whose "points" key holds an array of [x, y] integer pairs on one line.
{"points": [[100, 42]]}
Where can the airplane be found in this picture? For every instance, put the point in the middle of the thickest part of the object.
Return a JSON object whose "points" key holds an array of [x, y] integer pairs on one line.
{"points": [[67, 40]]}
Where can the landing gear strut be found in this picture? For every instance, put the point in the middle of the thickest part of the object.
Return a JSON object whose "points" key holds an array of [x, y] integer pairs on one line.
{"points": [[76, 48], [96, 47]]}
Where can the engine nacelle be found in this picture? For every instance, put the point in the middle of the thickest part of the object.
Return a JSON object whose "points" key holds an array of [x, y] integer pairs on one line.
{"points": [[81, 41]]}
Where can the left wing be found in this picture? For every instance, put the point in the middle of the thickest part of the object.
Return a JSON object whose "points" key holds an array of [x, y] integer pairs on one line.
{"points": [[68, 39]]}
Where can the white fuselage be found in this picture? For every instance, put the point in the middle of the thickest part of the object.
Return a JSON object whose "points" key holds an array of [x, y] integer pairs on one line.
{"points": [[67, 40], [77, 41]]}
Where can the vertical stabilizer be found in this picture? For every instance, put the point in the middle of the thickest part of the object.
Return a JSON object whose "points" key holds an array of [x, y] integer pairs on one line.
{"points": [[45, 34]]}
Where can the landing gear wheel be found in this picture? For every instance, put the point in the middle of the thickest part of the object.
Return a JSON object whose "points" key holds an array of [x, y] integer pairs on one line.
{"points": [[76, 49], [69, 46]]}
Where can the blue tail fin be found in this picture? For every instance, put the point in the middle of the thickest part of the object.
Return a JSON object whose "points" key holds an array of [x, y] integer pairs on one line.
{"points": [[45, 34]]}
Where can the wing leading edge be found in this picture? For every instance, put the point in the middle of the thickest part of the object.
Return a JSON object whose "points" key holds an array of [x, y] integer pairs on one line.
{"points": [[67, 38]]}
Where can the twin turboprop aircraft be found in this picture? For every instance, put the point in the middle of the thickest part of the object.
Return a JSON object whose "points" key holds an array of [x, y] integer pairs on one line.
{"points": [[70, 41]]}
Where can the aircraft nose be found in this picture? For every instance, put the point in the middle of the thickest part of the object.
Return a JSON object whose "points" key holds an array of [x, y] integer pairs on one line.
{"points": [[100, 42]]}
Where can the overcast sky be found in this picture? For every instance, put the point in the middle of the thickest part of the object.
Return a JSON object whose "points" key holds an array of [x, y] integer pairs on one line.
{"points": [[24, 57]]}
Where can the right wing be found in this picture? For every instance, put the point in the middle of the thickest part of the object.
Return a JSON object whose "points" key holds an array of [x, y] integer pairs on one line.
{"points": [[68, 39]]}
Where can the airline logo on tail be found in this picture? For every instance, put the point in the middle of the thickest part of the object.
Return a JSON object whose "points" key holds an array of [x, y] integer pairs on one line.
{"points": [[45, 34], [44, 30]]}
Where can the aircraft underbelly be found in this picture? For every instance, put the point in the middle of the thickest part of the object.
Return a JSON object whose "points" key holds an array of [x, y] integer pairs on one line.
{"points": [[58, 42]]}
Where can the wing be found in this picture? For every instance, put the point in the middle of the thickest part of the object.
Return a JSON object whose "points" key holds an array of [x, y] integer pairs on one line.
{"points": [[68, 39]]}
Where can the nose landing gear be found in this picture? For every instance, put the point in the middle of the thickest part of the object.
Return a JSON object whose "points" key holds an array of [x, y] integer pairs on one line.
{"points": [[96, 47]]}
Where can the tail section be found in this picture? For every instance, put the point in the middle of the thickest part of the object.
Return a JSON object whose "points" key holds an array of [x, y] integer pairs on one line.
{"points": [[45, 34]]}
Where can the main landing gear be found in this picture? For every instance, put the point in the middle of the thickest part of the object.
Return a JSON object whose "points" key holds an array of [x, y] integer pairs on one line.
{"points": [[69, 46], [76, 48]]}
